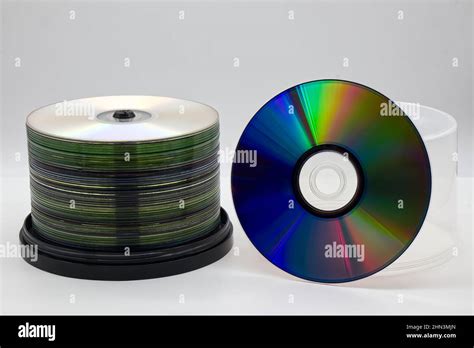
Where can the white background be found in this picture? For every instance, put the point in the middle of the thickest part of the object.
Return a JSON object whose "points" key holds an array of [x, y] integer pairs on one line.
{"points": [[63, 58]]}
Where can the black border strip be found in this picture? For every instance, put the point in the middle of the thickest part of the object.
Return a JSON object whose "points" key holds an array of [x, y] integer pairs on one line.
{"points": [[261, 330]]}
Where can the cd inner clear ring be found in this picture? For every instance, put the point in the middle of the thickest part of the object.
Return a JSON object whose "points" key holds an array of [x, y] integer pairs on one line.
{"points": [[110, 116], [328, 180]]}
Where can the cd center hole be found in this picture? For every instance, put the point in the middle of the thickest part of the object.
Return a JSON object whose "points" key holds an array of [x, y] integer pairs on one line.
{"points": [[124, 114], [328, 181]]}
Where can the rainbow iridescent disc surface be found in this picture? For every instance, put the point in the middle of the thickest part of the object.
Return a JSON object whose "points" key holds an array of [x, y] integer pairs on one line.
{"points": [[392, 202]]}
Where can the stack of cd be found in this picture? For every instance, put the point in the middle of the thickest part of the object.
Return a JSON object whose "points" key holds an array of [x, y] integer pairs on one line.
{"points": [[125, 187]]}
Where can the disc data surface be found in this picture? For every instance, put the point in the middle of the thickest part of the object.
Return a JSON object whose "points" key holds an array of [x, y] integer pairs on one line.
{"points": [[331, 181]]}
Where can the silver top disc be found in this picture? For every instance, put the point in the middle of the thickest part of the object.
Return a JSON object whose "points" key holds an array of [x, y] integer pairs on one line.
{"points": [[122, 119]]}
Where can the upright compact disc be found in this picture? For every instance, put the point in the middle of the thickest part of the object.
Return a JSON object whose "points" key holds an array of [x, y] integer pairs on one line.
{"points": [[331, 181]]}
